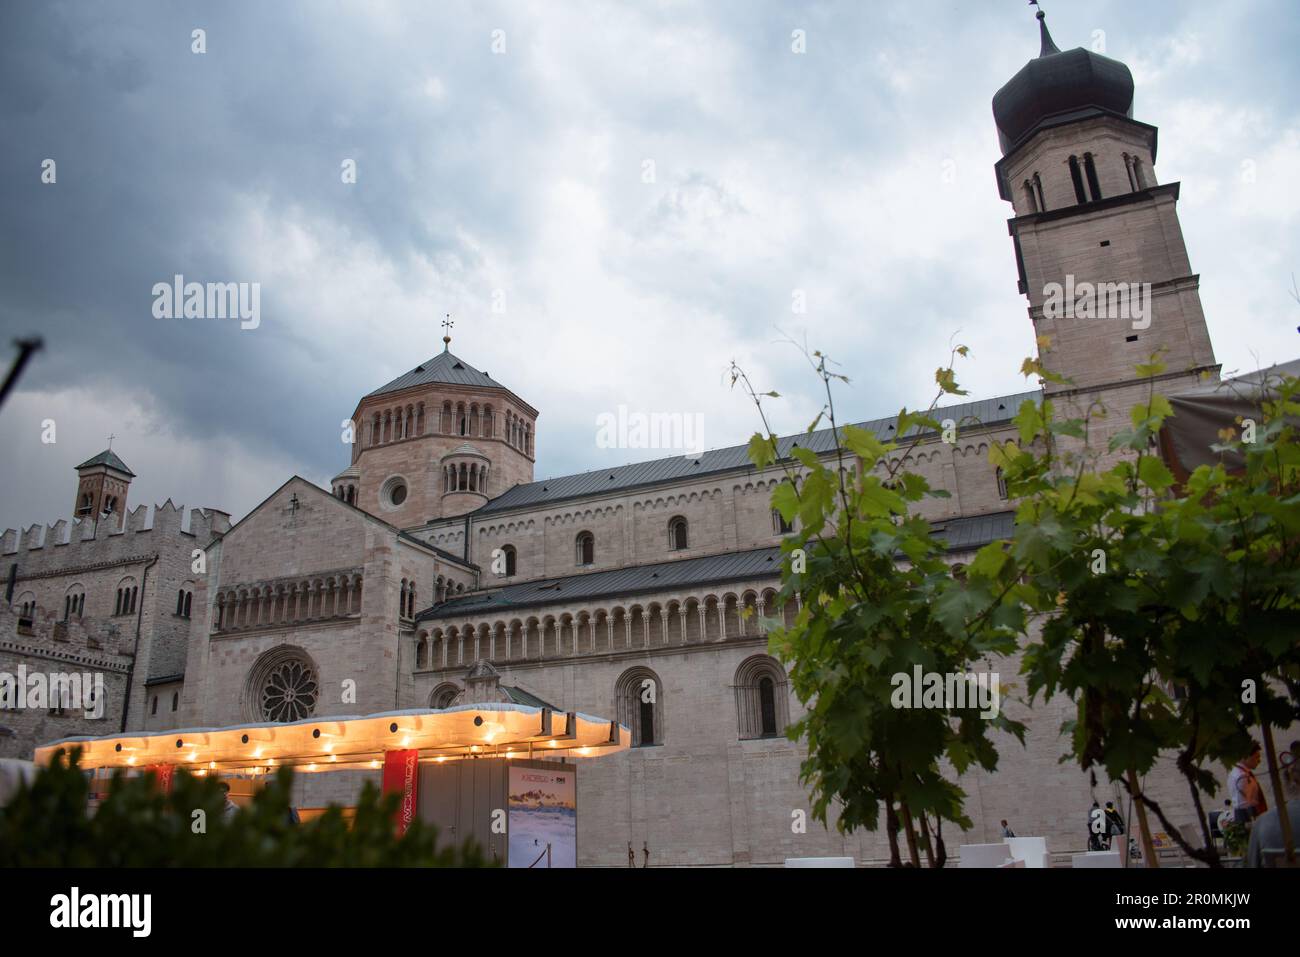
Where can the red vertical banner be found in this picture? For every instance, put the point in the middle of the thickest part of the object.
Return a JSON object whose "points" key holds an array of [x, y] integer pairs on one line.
{"points": [[401, 776], [163, 772]]}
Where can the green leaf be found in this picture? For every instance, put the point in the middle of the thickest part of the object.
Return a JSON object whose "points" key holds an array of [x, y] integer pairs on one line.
{"points": [[863, 444]]}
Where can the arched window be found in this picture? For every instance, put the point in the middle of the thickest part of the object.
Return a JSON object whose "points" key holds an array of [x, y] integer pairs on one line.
{"points": [[1090, 171], [508, 552], [74, 601], [127, 593], [640, 706], [87, 503], [443, 695], [1076, 177], [1030, 199], [585, 548], [780, 525], [176, 699], [677, 534], [762, 698], [1002, 483], [153, 708], [1038, 189]]}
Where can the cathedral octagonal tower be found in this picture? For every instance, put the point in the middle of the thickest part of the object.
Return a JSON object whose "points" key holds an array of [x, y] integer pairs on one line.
{"points": [[436, 442]]}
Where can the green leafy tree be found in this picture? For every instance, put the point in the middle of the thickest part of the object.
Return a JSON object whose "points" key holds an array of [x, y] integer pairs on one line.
{"points": [[878, 598], [1169, 615], [138, 825]]}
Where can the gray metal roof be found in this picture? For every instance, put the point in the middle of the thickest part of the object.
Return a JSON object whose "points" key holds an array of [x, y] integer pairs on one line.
{"points": [[109, 458], [520, 696], [444, 367], [679, 467], [961, 534]]}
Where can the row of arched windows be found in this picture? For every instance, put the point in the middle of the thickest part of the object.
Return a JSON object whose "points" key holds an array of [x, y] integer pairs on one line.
{"points": [[260, 606], [584, 548], [87, 503], [468, 419], [393, 425], [1083, 177], [602, 631], [519, 433], [465, 477], [347, 493], [176, 700], [184, 599]]}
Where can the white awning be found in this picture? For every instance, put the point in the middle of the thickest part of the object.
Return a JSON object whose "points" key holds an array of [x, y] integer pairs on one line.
{"points": [[349, 743]]}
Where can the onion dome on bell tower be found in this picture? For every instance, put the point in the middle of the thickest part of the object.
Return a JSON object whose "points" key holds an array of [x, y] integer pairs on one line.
{"points": [[1059, 87]]}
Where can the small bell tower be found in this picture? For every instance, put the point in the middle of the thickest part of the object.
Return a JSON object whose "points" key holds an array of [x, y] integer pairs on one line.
{"points": [[102, 484]]}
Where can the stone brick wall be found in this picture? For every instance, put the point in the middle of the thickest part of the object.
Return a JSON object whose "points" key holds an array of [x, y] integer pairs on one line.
{"points": [[86, 646], [150, 549]]}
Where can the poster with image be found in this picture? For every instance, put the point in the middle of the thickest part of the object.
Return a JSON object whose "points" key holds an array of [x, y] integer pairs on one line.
{"points": [[543, 813]]}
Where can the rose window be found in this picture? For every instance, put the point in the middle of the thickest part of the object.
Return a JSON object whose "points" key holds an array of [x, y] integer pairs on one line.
{"points": [[289, 692]]}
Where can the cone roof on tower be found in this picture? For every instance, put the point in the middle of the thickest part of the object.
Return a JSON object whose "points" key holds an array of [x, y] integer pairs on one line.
{"points": [[445, 367], [108, 458]]}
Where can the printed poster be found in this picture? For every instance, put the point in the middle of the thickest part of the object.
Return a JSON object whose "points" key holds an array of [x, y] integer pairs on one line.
{"points": [[543, 817]]}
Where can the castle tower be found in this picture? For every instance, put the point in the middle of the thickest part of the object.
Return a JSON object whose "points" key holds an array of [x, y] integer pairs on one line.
{"points": [[1098, 245], [102, 484], [437, 442]]}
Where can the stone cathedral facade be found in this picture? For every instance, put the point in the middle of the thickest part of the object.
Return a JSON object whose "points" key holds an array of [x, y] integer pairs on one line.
{"points": [[436, 548]]}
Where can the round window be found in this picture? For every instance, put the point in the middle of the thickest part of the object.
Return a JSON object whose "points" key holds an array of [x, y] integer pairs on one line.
{"points": [[393, 493]]}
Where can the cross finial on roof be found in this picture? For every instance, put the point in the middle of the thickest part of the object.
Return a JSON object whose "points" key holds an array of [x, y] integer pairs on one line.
{"points": [[111, 437], [1047, 45], [446, 336]]}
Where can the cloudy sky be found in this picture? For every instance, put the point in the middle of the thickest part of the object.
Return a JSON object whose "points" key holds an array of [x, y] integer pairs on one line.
{"points": [[613, 200]]}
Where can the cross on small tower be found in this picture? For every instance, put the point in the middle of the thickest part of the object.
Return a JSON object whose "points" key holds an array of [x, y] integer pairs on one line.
{"points": [[446, 336], [111, 437]]}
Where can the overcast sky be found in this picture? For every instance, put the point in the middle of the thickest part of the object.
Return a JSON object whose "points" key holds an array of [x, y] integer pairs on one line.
{"points": [[510, 170]]}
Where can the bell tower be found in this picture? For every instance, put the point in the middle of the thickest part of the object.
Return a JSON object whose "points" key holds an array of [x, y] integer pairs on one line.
{"points": [[1099, 249], [102, 484]]}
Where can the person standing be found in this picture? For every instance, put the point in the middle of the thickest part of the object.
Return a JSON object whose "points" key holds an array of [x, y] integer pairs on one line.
{"points": [[1006, 830], [1243, 789], [1114, 823], [1096, 827]]}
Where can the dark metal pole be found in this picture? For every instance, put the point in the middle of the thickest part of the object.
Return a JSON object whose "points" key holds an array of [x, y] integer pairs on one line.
{"points": [[25, 349]]}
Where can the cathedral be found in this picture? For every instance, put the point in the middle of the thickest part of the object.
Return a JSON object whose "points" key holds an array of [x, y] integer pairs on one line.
{"points": [[436, 556]]}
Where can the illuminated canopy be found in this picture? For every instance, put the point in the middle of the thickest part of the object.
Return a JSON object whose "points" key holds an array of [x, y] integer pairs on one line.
{"points": [[495, 730]]}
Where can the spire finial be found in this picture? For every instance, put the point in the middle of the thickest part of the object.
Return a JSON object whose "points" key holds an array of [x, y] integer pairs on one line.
{"points": [[111, 437], [1047, 47], [446, 336]]}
